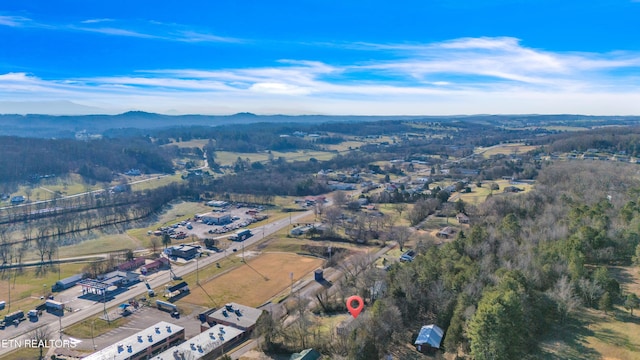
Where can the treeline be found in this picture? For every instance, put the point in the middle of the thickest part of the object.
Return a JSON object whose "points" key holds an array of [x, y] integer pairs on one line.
{"points": [[612, 139], [26, 158]]}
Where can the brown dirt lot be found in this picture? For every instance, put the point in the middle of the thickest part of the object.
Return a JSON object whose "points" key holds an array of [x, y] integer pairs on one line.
{"points": [[253, 284]]}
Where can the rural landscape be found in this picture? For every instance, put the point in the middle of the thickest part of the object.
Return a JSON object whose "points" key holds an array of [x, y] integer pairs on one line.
{"points": [[521, 242], [319, 180]]}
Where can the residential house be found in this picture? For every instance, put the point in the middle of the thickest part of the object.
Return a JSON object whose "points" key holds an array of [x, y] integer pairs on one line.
{"points": [[446, 233], [462, 218], [429, 338]]}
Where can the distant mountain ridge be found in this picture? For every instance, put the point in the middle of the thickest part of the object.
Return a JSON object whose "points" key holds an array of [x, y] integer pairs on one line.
{"points": [[49, 126]]}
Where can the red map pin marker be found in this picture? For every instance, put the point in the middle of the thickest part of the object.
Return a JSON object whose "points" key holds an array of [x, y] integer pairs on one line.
{"points": [[355, 311]]}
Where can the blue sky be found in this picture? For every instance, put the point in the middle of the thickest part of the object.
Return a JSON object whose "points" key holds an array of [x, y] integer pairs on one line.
{"points": [[320, 57]]}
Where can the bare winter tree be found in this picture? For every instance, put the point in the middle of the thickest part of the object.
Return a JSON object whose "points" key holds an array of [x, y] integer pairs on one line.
{"points": [[565, 297], [400, 207], [339, 198], [400, 234], [41, 335], [332, 215]]}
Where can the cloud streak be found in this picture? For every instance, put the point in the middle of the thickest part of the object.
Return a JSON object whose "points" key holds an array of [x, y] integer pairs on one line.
{"points": [[14, 21], [136, 29], [460, 76]]}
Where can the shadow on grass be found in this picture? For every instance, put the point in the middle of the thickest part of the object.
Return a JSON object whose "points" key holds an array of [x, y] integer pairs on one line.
{"points": [[621, 275], [627, 317], [257, 272], [568, 341], [215, 303]]}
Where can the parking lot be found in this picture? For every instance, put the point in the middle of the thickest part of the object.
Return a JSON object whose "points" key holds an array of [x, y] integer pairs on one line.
{"points": [[143, 318], [240, 216]]}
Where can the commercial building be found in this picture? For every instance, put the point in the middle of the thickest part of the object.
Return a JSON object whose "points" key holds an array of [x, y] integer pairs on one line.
{"points": [[66, 283], [119, 278], [207, 345], [236, 315], [144, 344], [182, 251], [132, 264], [215, 218], [154, 265]]}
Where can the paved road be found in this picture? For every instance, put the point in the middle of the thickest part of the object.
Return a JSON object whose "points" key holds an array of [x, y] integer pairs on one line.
{"points": [[83, 309]]}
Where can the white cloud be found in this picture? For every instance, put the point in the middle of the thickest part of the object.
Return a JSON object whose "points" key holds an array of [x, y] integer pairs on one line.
{"points": [[95, 21], [461, 76], [14, 21]]}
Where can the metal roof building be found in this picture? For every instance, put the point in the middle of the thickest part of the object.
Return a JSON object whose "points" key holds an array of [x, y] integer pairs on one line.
{"points": [[431, 336], [66, 282]]}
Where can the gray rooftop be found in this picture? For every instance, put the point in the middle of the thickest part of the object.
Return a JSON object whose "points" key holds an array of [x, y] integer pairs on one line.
{"points": [[202, 344], [126, 348], [239, 315]]}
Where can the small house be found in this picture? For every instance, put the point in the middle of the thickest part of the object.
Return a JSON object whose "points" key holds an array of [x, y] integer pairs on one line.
{"points": [[307, 354], [17, 199], [429, 338], [445, 233], [462, 218]]}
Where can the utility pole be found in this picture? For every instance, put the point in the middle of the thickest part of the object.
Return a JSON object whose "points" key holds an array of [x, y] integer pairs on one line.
{"points": [[9, 286], [291, 276], [104, 305]]}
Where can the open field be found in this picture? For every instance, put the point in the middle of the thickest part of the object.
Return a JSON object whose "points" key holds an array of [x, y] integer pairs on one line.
{"points": [[479, 194], [30, 285], [103, 243], [199, 143], [155, 181], [346, 145], [228, 158], [596, 335], [255, 282], [505, 149]]}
